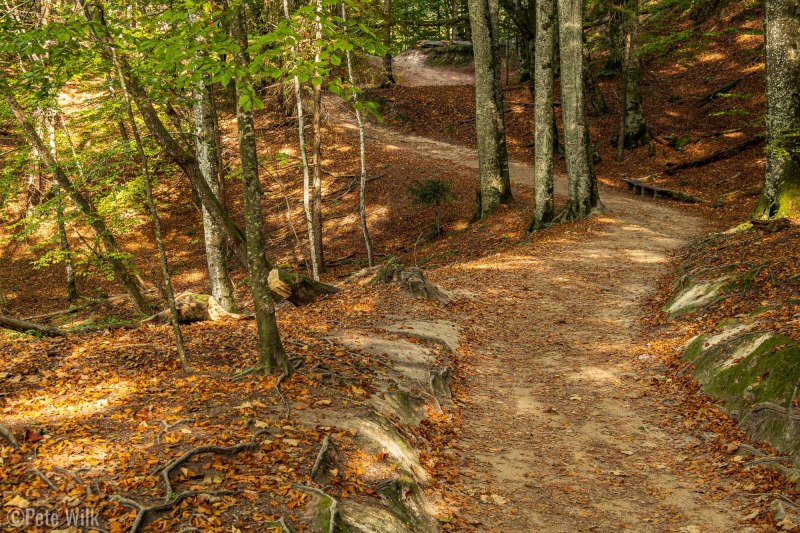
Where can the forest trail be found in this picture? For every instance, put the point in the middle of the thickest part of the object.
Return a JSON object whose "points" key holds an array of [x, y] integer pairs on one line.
{"points": [[559, 431]]}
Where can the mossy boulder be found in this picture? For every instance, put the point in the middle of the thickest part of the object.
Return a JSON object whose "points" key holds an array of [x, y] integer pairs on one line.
{"points": [[754, 375], [693, 293]]}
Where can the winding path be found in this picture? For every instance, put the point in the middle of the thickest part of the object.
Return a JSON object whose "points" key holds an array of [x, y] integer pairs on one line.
{"points": [[559, 431]]}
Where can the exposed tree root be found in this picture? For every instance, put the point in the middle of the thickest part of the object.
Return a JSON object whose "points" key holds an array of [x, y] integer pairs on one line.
{"points": [[323, 449], [333, 509], [170, 500], [168, 427], [6, 434], [717, 156], [143, 511], [259, 368], [281, 523], [283, 398], [219, 450], [41, 475]]}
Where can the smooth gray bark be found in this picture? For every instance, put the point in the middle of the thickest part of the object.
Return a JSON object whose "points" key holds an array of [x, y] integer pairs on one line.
{"points": [[301, 128], [544, 209], [782, 181], [489, 123], [583, 195], [208, 159], [362, 149], [316, 198]]}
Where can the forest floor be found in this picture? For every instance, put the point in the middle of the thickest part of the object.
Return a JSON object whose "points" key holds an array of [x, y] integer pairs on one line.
{"points": [[564, 419], [560, 431]]}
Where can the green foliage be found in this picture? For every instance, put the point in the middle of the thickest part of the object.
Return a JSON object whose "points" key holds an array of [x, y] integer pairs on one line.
{"points": [[431, 192]]}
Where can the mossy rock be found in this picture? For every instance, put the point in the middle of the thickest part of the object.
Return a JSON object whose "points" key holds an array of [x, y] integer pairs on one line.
{"points": [[401, 404], [403, 508], [323, 516], [693, 294], [754, 375]]}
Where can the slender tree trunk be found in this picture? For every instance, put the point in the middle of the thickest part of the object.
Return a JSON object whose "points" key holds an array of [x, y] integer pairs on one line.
{"points": [[151, 204], [490, 124], [123, 132], [453, 20], [615, 36], [113, 252], [316, 202], [301, 126], [583, 195], [634, 127], [362, 149], [782, 181], [208, 159], [544, 209], [271, 351], [388, 73], [69, 268]]}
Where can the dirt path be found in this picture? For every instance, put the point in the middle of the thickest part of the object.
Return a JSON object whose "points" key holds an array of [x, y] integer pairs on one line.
{"points": [[559, 433]]}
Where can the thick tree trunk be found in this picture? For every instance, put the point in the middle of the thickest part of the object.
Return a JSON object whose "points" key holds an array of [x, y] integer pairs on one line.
{"points": [[633, 130], [583, 195], [208, 159], [362, 146], [271, 351], [782, 181], [23, 326], [490, 123], [113, 251], [544, 209]]}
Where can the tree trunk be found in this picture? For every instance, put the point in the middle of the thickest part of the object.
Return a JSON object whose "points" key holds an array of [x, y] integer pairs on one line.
{"points": [[301, 128], [362, 146], [597, 102], [151, 204], [490, 124], [544, 209], [634, 130], [583, 195], [113, 252], [453, 20], [271, 352], [615, 36], [388, 73], [123, 132], [69, 268], [208, 159], [316, 202], [782, 181], [23, 326]]}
